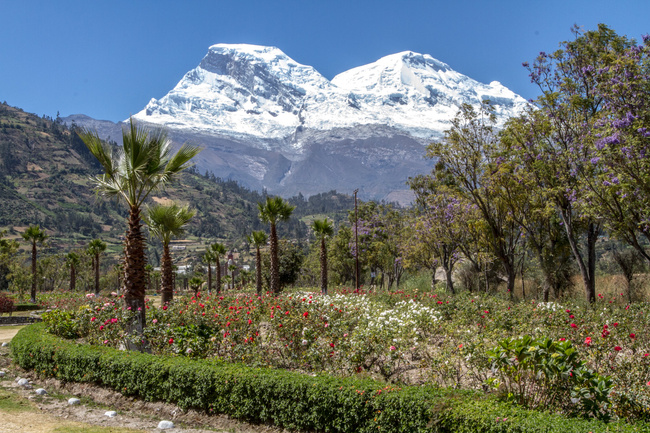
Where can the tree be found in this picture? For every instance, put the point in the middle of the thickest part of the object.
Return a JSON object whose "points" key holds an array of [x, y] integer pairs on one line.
{"points": [[258, 239], [72, 261], [273, 210], [7, 250], [467, 160], [558, 146], [165, 222], [218, 249], [143, 164], [323, 229], [290, 259], [95, 248], [34, 235], [209, 257]]}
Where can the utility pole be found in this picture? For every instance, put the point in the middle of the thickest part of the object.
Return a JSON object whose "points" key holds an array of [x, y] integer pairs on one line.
{"points": [[356, 241]]}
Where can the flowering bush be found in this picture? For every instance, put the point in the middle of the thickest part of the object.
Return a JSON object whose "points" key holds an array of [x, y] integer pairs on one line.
{"points": [[402, 337]]}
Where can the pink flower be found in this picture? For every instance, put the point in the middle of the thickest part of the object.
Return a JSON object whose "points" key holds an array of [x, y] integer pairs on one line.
{"points": [[588, 341], [573, 325], [101, 328], [562, 339], [93, 319], [393, 348]]}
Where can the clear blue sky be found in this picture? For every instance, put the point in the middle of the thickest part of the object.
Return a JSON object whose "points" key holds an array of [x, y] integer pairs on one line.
{"points": [[106, 59]]}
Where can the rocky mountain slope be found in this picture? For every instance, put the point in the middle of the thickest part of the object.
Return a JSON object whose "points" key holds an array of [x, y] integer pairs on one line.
{"points": [[269, 122]]}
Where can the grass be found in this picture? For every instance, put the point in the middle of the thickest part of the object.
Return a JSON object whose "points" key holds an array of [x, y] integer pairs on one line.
{"points": [[12, 403]]}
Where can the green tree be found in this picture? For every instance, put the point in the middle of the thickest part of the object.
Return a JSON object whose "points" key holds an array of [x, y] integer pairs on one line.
{"points": [[95, 248], [323, 229], [273, 210], [258, 239], [165, 222], [72, 261], [218, 249], [208, 258], [143, 164], [8, 249], [34, 235], [558, 145], [468, 157], [290, 260]]}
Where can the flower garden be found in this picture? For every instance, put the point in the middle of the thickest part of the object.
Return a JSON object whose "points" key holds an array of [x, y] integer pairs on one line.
{"points": [[573, 360]]}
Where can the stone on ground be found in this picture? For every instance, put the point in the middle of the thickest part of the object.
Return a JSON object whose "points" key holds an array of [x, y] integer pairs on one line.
{"points": [[2, 374], [162, 425], [23, 382], [74, 401], [41, 391], [111, 414], [5, 344]]}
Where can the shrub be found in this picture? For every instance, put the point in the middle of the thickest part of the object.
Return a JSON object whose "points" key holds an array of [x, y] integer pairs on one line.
{"points": [[6, 304], [540, 373], [291, 400]]}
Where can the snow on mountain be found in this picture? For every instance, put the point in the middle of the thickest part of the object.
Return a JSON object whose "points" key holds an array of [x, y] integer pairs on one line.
{"points": [[250, 91]]}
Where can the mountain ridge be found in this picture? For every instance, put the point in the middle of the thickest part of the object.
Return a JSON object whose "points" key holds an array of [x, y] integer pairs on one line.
{"points": [[274, 124]]}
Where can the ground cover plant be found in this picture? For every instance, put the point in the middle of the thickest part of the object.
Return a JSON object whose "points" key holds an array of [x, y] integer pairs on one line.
{"points": [[591, 361]]}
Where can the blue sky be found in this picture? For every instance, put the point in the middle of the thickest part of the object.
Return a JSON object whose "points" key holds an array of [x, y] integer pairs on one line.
{"points": [[106, 59]]}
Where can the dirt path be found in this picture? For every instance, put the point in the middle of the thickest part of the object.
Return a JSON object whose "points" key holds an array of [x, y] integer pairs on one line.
{"points": [[8, 332], [52, 413]]}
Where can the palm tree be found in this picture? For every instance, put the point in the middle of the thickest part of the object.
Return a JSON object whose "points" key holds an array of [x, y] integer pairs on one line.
{"points": [[34, 235], [95, 248], [72, 261], [219, 250], [143, 164], [322, 229], [164, 223], [273, 210], [208, 258], [258, 239]]}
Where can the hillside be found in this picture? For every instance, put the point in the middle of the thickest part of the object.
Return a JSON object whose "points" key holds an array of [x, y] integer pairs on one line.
{"points": [[44, 179]]}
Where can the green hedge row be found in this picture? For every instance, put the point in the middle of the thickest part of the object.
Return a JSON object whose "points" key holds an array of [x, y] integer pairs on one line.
{"points": [[287, 399], [27, 307]]}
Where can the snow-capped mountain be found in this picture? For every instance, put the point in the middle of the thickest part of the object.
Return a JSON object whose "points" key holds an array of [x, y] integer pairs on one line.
{"points": [[269, 122], [249, 90]]}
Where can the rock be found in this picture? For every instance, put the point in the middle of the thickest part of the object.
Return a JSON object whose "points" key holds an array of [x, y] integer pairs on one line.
{"points": [[111, 414], [74, 401], [41, 391], [23, 382], [5, 344], [163, 425], [2, 374]]}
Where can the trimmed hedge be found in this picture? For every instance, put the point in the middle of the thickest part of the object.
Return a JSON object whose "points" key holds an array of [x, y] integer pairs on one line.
{"points": [[28, 307], [290, 400]]}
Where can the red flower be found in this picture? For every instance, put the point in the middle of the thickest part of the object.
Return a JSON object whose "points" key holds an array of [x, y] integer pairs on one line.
{"points": [[573, 325], [305, 314], [588, 341], [171, 341], [618, 348], [615, 324], [562, 339], [331, 344], [164, 307], [632, 335], [572, 317]]}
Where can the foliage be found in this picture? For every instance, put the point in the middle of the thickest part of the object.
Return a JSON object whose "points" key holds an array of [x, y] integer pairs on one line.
{"points": [[6, 304], [541, 373], [286, 399]]}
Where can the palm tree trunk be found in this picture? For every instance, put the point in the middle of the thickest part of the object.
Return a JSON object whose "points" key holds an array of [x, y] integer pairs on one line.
{"points": [[275, 266], [258, 271], [73, 278], [323, 266], [134, 283], [167, 276], [218, 277], [97, 274], [209, 278], [33, 292]]}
